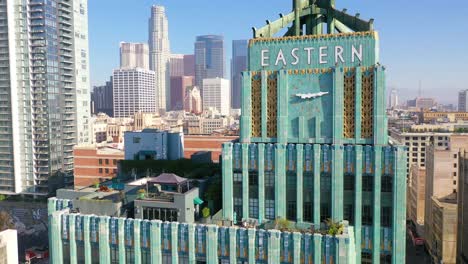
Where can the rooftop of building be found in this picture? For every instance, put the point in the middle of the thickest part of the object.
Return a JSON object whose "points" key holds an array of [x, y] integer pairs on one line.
{"points": [[103, 148]]}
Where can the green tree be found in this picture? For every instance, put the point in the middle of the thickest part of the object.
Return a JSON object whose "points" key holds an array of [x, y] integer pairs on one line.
{"points": [[334, 228]]}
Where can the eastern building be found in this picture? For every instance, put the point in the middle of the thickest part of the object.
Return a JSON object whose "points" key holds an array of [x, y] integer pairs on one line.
{"points": [[238, 65], [209, 58], [313, 146], [463, 101], [159, 59], [313, 140], [44, 82], [393, 99], [134, 55], [216, 95], [102, 99], [133, 91]]}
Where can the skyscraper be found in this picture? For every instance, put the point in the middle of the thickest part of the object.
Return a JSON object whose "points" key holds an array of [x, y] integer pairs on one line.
{"points": [[176, 65], [393, 99], [160, 55], [134, 55], [209, 58], [44, 82], [189, 65], [102, 99], [313, 133], [463, 101], [216, 95], [133, 91], [179, 85], [238, 65]]}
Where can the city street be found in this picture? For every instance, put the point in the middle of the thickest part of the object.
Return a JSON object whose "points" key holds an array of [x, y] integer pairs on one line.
{"points": [[416, 255]]}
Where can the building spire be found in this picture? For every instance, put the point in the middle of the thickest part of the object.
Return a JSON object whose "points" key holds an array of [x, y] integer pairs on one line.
{"points": [[314, 14]]}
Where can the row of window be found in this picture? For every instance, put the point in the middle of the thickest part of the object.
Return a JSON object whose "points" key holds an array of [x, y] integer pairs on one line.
{"points": [[114, 162]]}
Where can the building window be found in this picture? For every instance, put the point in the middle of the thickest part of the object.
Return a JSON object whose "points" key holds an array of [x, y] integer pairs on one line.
{"points": [[107, 162], [454, 174], [107, 171], [324, 212], [237, 177], [454, 165], [308, 212], [454, 156], [348, 213], [100, 161], [270, 209], [387, 184], [100, 170], [291, 211], [367, 215], [253, 178], [385, 259], [253, 208], [386, 216], [136, 140], [367, 183], [349, 182], [114, 162]]}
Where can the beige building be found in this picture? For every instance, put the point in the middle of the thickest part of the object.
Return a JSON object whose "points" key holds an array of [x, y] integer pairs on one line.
{"points": [[462, 238], [441, 182], [442, 236], [417, 144], [146, 120], [428, 117], [416, 198]]}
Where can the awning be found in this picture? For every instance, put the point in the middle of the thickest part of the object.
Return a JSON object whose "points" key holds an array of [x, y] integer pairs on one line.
{"points": [[197, 201]]}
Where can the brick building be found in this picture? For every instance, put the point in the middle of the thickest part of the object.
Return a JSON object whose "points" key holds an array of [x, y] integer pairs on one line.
{"points": [[213, 144], [95, 163]]}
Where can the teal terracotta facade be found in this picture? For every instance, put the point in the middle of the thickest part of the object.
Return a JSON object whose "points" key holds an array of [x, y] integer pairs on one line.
{"points": [[313, 143], [76, 238]]}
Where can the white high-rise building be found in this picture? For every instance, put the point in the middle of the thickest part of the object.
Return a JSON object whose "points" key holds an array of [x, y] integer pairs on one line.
{"points": [[44, 87], [216, 94], [393, 99], [160, 55], [134, 55], [133, 92]]}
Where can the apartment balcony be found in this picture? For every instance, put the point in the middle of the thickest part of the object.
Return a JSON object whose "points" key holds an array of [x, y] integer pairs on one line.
{"points": [[35, 3], [65, 22]]}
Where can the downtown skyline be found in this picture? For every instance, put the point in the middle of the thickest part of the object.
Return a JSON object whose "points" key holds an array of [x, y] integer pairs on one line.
{"points": [[403, 58]]}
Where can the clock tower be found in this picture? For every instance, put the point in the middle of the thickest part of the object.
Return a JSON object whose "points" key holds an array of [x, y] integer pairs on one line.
{"points": [[313, 143]]}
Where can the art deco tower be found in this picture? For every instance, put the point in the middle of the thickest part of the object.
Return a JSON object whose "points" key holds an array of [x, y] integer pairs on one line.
{"points": [[313, 137], [160, 55]]}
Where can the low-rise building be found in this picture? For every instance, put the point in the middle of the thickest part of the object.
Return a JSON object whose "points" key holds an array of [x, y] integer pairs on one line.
{"points": [[152, 144], [416, 198], [112, 239], [442, 233], [431, 117], [96, 163], [213, 144], [168, 197]]}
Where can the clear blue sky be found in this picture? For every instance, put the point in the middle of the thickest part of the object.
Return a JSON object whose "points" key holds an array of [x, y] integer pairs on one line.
{"points": [[423, 40]]}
